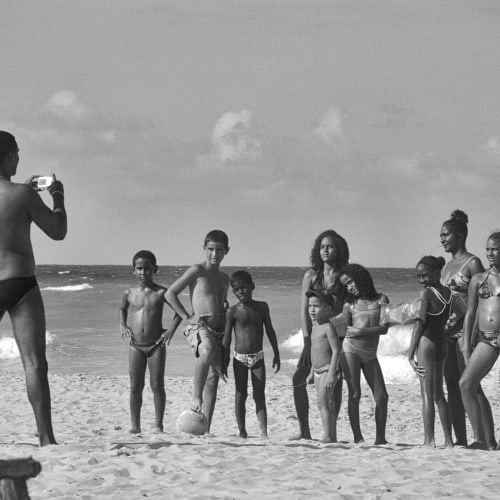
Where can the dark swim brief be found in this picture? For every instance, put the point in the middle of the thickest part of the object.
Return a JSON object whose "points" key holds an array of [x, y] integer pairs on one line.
{"points": [[13, 290], [147, 350]]}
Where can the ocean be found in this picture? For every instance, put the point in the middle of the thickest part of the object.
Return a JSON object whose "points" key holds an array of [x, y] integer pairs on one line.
{"points": [[82, 302]]}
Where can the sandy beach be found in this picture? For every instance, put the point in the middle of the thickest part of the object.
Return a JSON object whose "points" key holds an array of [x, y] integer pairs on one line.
{"points": [[97, 458]]}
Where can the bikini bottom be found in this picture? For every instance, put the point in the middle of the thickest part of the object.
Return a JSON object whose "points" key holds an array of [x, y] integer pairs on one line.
{"points": [[490, 338]]}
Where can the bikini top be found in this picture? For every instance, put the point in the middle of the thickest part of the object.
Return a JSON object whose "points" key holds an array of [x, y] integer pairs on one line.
{"points": [[484, 290], [336, 289], [444, 302], [458, 282]]}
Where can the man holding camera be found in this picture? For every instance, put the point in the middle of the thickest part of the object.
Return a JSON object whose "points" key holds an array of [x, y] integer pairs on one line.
{"points": [[20, 205]]}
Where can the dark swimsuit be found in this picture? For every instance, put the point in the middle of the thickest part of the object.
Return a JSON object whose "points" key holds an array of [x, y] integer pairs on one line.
{"points": [[435, 323], [147, 350], [337, 291], [491, 338], [13, 290]]}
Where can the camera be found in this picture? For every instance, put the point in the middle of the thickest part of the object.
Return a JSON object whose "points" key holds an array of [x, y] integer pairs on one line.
{"points": [[42, 182]]}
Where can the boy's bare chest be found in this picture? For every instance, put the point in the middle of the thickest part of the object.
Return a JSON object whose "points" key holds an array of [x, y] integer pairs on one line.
{"points": [[249, 316], [145, 300], [212, 285]]}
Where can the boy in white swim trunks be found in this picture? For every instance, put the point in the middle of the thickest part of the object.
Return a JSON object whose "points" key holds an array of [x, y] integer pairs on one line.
{"points": [[248, 319], [208, 292], [325, 351]]}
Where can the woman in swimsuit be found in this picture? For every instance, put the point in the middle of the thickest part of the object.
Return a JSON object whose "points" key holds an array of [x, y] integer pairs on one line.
{"points": [[456, 275], [359, 352], [428, 341], [483, 307], [329, 253]]}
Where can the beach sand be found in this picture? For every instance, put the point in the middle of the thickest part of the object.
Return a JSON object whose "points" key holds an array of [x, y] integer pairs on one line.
{"points": [[97, 458]]}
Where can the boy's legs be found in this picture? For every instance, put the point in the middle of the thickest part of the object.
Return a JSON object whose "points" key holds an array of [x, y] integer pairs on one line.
{"points": [[259, 395], [137, 369], [426, 353], [210, 395], [208, 352], [156, 364], [440, 399], [241, 385], [326, 407], [375, 379], [28, 325], [351, 368]]}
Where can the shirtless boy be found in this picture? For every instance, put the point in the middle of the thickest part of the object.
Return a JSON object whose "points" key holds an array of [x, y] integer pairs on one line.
{"points": [[248, 318], [325, 360], [20, 205], [141, 314], [208, 293]]}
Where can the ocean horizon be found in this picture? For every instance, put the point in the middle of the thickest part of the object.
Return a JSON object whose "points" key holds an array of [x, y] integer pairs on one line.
{"points": [[82, 311]]}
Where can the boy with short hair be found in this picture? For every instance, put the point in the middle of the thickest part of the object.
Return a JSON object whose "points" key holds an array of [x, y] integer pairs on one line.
{"points": [[141, 314], [248, 318], [325, 359], [208, 293]]}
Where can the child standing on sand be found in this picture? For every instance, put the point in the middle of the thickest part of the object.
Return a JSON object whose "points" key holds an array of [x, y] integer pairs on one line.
{"points": [[359, 349], [141, 314], [208, 292], [248, 318], [428, 341], [325, 359]]}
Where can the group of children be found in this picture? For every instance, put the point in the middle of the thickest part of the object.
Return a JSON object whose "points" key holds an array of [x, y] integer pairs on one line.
{"points": [[209, 332], [342, 345]]}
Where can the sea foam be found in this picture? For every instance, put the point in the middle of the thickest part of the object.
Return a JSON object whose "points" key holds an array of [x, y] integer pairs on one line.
{"points": [[392, 353], [69, 288], [8, 346]]}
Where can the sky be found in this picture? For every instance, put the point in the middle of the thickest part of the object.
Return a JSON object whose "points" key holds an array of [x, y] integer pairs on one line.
{"points": [[272, 120]]}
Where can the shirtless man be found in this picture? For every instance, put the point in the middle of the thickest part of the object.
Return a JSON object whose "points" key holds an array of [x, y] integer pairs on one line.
{"points": [[205, 330], [20, 205]]}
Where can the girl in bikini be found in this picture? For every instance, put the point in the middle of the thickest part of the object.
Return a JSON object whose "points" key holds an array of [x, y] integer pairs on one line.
{"points": [[457, 274], [359, 349], [329, 253], [428, 341], [483, 307]]}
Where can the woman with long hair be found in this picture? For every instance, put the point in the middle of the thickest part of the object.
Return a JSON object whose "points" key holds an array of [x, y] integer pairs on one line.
{"points": [[329, 254]]}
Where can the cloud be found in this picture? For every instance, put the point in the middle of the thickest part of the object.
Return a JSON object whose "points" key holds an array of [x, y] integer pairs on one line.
{"points": [[493, 146], [66, 105], [330, 130], [232, 139]]}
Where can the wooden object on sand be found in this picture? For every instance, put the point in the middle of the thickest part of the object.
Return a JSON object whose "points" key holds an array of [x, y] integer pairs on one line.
{"points": [[13, 475]]}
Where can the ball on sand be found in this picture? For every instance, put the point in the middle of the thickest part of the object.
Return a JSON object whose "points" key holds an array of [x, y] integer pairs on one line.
{"points": [[192, 422]]}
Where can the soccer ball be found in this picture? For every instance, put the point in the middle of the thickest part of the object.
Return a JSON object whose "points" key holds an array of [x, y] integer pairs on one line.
{"points": [[192, 422]]}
